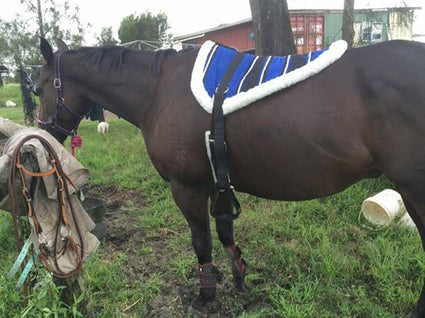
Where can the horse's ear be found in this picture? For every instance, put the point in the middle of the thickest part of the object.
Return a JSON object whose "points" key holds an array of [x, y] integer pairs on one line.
{"points": [[62, 46], [46, 50]]}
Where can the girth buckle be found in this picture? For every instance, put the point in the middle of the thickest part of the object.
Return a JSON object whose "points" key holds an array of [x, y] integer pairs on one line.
{"points": [[57, 83]]}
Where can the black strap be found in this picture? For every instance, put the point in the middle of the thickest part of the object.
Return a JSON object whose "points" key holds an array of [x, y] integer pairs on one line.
{"points": [[254, 75], [297, 60], [218, 128], [218, 147]]}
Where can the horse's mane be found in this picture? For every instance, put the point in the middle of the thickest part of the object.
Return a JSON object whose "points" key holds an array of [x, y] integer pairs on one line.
{"points": [[159, 57], [113, 57]]}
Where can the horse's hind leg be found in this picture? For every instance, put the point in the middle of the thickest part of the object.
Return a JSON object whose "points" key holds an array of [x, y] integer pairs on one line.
{"points": [[416, 210], [233, 252], [224, 229], [411, 186], [193, 202]]}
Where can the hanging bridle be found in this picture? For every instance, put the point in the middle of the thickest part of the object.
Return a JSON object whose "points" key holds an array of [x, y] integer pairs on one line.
{"points": [[60, 104]]}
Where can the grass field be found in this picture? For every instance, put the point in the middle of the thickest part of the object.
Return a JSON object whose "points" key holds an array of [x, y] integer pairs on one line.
{"points": [[305, 259]]}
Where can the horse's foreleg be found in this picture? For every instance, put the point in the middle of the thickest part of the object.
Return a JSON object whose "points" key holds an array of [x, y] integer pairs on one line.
{"points": [[193, 202]]}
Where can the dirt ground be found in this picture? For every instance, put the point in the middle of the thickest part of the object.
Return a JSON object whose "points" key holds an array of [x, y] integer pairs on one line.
{"points": [[124, 235]]}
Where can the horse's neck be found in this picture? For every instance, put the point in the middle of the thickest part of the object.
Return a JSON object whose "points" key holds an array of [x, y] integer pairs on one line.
{"points": [[128, 93]]}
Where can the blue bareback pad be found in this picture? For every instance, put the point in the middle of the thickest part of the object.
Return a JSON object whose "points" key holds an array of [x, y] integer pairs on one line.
{"points": [[252, 70]]}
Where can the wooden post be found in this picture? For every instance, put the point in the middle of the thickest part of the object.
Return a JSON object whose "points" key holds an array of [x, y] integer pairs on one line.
{"points": [[74, 287]]}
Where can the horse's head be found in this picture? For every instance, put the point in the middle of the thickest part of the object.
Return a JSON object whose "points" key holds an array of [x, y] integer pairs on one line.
{"points": [[62, 105]]}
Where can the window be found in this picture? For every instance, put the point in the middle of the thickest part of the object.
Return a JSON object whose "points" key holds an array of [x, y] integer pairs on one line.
{"points": [[316, 27], [371, 31], [319, 40]]}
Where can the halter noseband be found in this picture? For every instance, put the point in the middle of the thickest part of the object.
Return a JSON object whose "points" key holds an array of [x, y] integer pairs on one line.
{"points": [[60, 104]]}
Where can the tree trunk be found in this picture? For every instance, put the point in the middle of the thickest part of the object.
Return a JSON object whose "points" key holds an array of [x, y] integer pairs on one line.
{"points": [[272, 27], [348, 23], [40, 20]]}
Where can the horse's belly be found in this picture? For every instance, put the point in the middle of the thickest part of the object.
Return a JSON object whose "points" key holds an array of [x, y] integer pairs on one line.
{"points": [[283, 175], [296, 186]]}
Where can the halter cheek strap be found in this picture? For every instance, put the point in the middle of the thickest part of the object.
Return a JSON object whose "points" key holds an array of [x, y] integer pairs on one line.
{"points": [[60, 105]]}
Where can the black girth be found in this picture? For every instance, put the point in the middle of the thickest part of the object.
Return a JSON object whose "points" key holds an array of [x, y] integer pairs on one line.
{"points": [[219, 148]]}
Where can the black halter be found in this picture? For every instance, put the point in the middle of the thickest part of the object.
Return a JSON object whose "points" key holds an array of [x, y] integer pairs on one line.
{"points": [[60, 104]]}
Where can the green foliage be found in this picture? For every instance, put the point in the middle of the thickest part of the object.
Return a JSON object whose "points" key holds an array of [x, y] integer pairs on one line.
{"points": [[19, 42], [51, 19], [106, 37], [150, 29], [44, 301]]}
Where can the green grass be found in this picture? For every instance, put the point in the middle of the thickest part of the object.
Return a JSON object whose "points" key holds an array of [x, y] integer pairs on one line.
{"points": [[305, 259], [11, 92]]}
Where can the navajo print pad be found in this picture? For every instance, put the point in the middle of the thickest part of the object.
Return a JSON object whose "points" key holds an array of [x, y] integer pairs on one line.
{"points": [[255, 77]]}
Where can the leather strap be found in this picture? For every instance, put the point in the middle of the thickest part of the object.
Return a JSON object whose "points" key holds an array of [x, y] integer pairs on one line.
{"points": [[219, 147]]}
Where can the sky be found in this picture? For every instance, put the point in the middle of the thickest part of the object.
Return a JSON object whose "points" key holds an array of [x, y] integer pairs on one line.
{"points": [[188, 16]]}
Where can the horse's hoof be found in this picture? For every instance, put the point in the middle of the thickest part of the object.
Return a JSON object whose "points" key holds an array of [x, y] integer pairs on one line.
{"points": [[197, 309], [242, 287], [196, 312], [219, 276]]}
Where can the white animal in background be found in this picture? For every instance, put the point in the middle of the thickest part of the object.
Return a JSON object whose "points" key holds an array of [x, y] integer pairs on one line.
{"points": [[102, 127], [9, 103]]}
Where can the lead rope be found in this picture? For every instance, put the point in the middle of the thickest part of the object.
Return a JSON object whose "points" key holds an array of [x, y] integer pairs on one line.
{"points": [[63, 196], [76, 142]]}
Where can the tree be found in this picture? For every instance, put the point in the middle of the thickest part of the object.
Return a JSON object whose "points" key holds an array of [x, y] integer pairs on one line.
{"points": [[348, 22], [50, 19], [272, 27], [18, 44], [106, 37], [149, 29], [52, 16]]}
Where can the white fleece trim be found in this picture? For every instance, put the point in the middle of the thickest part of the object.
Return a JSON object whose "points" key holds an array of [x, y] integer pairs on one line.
{"points": [[231, 104]]}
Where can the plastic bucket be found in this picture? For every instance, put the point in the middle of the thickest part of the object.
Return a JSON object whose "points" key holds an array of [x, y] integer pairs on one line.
{"points": [[407, 222], [382, 208]]}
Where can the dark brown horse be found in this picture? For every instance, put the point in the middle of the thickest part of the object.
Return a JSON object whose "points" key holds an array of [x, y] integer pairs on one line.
{"points": [[313, 139]]}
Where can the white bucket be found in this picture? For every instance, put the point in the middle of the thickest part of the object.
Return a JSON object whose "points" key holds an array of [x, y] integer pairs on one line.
{"points": [[382, 208], [407, 222]]}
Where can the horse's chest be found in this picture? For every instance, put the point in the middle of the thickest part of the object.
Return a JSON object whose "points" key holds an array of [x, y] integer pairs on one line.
{"points": [[176, 155]]}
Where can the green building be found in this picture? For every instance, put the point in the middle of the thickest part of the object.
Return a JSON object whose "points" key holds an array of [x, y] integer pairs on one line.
{"points": [[371, 25]]}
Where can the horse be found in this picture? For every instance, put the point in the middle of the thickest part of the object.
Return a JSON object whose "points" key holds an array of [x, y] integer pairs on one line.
{"points": [[310, 140]]}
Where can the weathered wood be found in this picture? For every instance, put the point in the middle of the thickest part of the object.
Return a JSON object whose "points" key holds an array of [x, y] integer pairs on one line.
{"points": [[74, 287], [348, 23], [8, 128]]}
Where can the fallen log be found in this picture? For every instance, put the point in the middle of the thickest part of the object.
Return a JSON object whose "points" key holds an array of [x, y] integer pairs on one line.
{"points": [[8, 128]]}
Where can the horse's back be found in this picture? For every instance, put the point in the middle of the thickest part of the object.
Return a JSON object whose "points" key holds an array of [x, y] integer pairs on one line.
{"points": [[340, 126]]}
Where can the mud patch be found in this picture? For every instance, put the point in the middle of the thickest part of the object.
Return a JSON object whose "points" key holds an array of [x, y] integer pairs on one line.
{"points": [[124, 234]]}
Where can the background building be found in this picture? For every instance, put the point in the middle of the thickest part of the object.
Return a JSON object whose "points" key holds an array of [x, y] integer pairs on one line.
{"points": [[315, 29]]}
